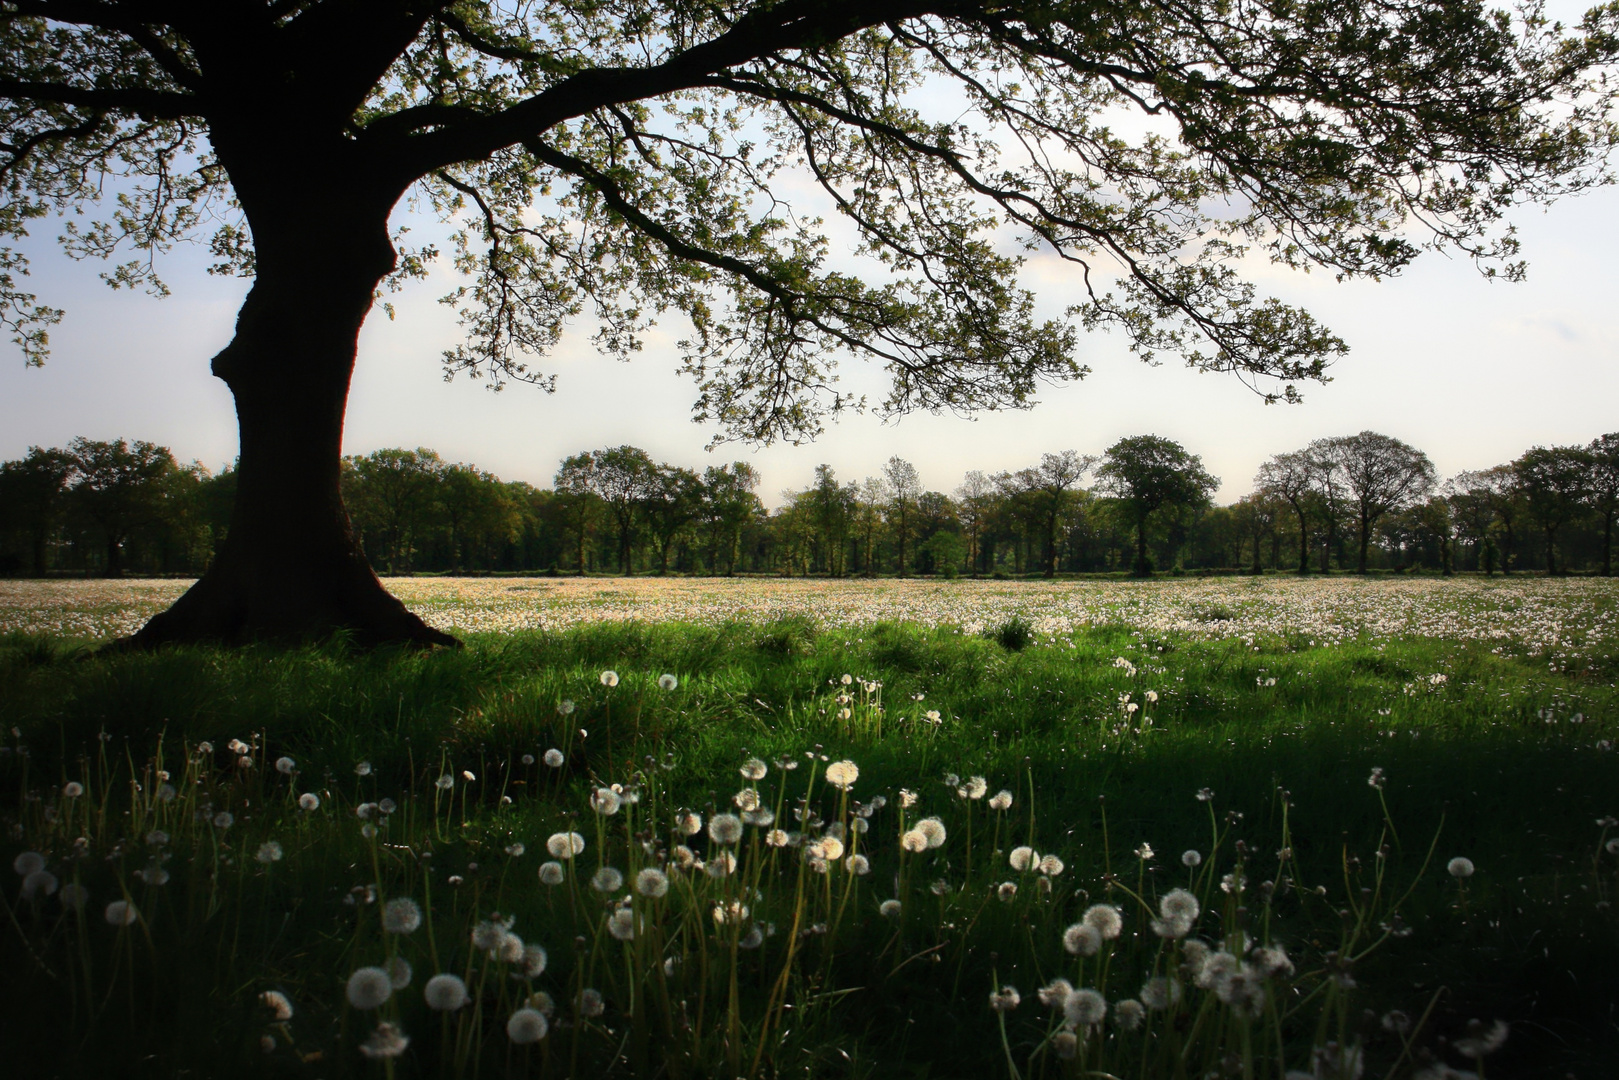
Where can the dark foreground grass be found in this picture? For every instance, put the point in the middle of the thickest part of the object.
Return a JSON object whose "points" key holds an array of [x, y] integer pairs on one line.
{"points": [[1485, 756]]}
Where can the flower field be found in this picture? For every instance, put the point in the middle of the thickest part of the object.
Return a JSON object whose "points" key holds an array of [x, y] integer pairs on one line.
{"points": [[1559, 619], [1309, 830]]}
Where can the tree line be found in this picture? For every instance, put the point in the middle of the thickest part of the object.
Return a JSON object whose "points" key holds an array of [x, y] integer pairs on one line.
{"points": [[1350, 503]]}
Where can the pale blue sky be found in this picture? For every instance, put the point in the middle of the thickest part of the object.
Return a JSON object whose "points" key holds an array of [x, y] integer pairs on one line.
{"points": [[1470, 371]]}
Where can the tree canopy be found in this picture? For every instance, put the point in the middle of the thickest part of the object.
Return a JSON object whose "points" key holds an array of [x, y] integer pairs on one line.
{"points": [[628, 159]]}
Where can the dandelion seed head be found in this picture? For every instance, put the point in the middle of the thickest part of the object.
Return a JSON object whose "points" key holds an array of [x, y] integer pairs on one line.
{"points": [[652, 882], [1085, 1008], [913, 840], [1005, 999], [1191, 858], [667, 682], [1128, 1014], [1460, 867], [725, 829], [1144, 852], [1159, 993], [527, 1026], [39, 883], [553, 758], [753, 769], [74, 896], [842, 774], [1082, 939], [609, 679], [363, 769], [776, 838], [1066, 1044], [72, 789], [621, 924], [385, 1042], [591, 1003], [605, 801], [279, 1005], [401, 915], [399, 972], [1053, 994], [858, 865], [1479, 1042], [269, 852], [28, 862], [746, 800], [565, 845], [907, 798], [445, 782], [1001, 800], [286, 766], [888, 909], [551, 873], [224, 820], [445, 993], [831, 848], [1180, 905], [565, 707], [1050, 865], [607, 879], [1106, 919], [1021, 858], [121, 913], [720, 865], [309, 801], [933, 830], [515, 850], [369, 987]]}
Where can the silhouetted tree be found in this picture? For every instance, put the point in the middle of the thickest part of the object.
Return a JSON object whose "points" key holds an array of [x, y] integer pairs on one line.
{"points": [[118, 486], [1555, 482], [904, 487], [1603, 490], [33, 495]]}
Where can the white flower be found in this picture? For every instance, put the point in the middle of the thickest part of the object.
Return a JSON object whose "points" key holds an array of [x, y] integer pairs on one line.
{"points": [[1085, 1008], [667, 682], [977, 787], [286, 765], [553, 758], [309, 801], [1022, 858], [565, 845], [269, 852], [401, 915], [551, 873], [527, 1026], [385, 1042], [652, 882], [278, 1004], [725, 828], [369, 987], [1001, 800], [445, 993], [1460, 867], [776, 838], [1152, 696], [746, 800], [842, 774], [1082, 939], [1106, 919], [606, 801], [121, 913], [907, 798], [1144, 852], [609, 678], [607, 879]]}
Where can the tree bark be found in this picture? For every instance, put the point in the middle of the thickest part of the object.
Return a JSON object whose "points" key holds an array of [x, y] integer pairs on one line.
{"points": [[291, 568]]}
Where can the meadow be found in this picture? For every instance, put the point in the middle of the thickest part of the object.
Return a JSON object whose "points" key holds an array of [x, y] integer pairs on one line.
{"points": [[1232, 827]]}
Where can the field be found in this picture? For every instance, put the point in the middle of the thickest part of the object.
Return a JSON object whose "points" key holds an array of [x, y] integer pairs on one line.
{"points": [[831, 842]]}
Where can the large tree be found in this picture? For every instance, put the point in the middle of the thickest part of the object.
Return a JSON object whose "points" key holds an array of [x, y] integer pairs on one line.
{"points": [[119, 487], [1603, 490], [627, 158], [1378, 475], [1290, 477], [1556, 485], [33, 495], [1147, 473]]}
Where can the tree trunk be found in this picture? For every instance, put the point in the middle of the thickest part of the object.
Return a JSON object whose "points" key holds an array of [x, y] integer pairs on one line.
{"points": [[1551, 552], [1142, 567], [1607, 545], [115, 562], [290, 568], [1304, 540], [1365, 540]]}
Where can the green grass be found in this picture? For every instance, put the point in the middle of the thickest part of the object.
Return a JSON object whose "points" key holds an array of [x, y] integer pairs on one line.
{"points": [[1487, 760]]}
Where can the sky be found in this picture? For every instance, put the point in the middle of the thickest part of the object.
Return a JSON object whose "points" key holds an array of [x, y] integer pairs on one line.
{"points": [[1468, 370]]}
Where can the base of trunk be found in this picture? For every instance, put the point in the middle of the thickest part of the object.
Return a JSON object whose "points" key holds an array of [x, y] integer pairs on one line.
{"points": [[234, 603]]}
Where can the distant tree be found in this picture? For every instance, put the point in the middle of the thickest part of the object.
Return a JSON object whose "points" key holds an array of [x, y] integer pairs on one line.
{"points": [[832, 508], [118, 486], [674, 499], [480, 514], [1379, 475], [622, 478], [973, 501], [1500, 485], [729, 504], [1556, 485], [394, 494], [1291, 478], [904, 487], [1435, 521], [575, 486], [1255, 517], [1603, 491], [33, 496], [1051, 486], [1473, 510], [1147, 472]]}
